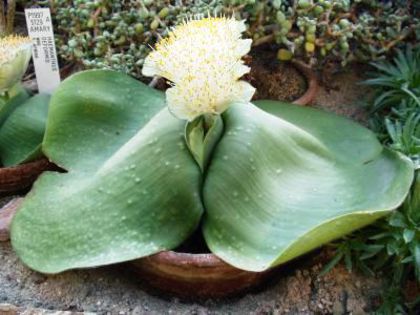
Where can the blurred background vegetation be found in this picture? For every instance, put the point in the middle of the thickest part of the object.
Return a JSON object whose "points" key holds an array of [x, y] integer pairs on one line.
{"points": [[118, 34]]}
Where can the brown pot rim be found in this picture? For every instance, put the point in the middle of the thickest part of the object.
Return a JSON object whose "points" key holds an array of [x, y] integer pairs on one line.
{"points": [[189, 275], [312, 81], [181, 259]]}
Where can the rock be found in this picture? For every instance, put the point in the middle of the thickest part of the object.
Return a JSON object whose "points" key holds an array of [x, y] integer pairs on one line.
{"points": [[8, 309], [338, 308], [6, 216]]}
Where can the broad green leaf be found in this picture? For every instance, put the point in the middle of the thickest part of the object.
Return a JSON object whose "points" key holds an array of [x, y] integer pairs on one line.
{"points": [[93, 114], [284, 180], [22, 132], [280, 181], [17, 96], [132, 188]]}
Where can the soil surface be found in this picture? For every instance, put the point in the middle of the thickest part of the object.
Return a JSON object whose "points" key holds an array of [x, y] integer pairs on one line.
{"points": [[274, 79], [295, 289], [114, 290], [345, 95]]}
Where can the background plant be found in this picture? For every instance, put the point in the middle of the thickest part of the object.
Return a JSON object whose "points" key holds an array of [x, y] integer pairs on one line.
{"points": [[7, 17], [392, 245], [336, 30], [117, 34], [396, 106]]}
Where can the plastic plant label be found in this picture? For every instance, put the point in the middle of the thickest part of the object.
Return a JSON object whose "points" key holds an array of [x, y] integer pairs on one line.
{"points": [[40, 30]]}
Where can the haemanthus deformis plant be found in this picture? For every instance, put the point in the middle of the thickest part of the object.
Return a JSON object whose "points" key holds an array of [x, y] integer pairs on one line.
{"points": [[266, 182]]}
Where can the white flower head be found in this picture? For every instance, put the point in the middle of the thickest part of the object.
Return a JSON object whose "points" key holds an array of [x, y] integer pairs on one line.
{"points": [[15, 53], [202, 58]]}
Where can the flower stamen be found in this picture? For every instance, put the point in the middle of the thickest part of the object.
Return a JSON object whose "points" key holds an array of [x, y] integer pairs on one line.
{"points": [[202, 58]]}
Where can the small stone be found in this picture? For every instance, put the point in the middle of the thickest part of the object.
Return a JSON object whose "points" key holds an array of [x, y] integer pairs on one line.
{"points": [[8, 309], [6, 215], [338, 308]]}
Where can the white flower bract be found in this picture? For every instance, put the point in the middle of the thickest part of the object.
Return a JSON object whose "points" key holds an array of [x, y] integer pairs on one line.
{"points": [[202, 59], [15, 53]]}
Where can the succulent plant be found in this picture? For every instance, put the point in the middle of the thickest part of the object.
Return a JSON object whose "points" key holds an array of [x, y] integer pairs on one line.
{"points": [[264, 182], [341, 30], [266, 198], [117, 35], [114, 34]]}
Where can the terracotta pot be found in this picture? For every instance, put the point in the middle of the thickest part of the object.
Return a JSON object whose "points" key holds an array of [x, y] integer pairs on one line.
{"points": [[195, 275], [22, 176], [312, 80]]}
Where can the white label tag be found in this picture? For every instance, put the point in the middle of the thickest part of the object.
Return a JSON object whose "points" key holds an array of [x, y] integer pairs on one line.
{"points": [[40, 30]]}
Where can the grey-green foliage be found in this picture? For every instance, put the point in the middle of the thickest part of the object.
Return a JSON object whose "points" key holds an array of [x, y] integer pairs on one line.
{"points": [[118, 34]]}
